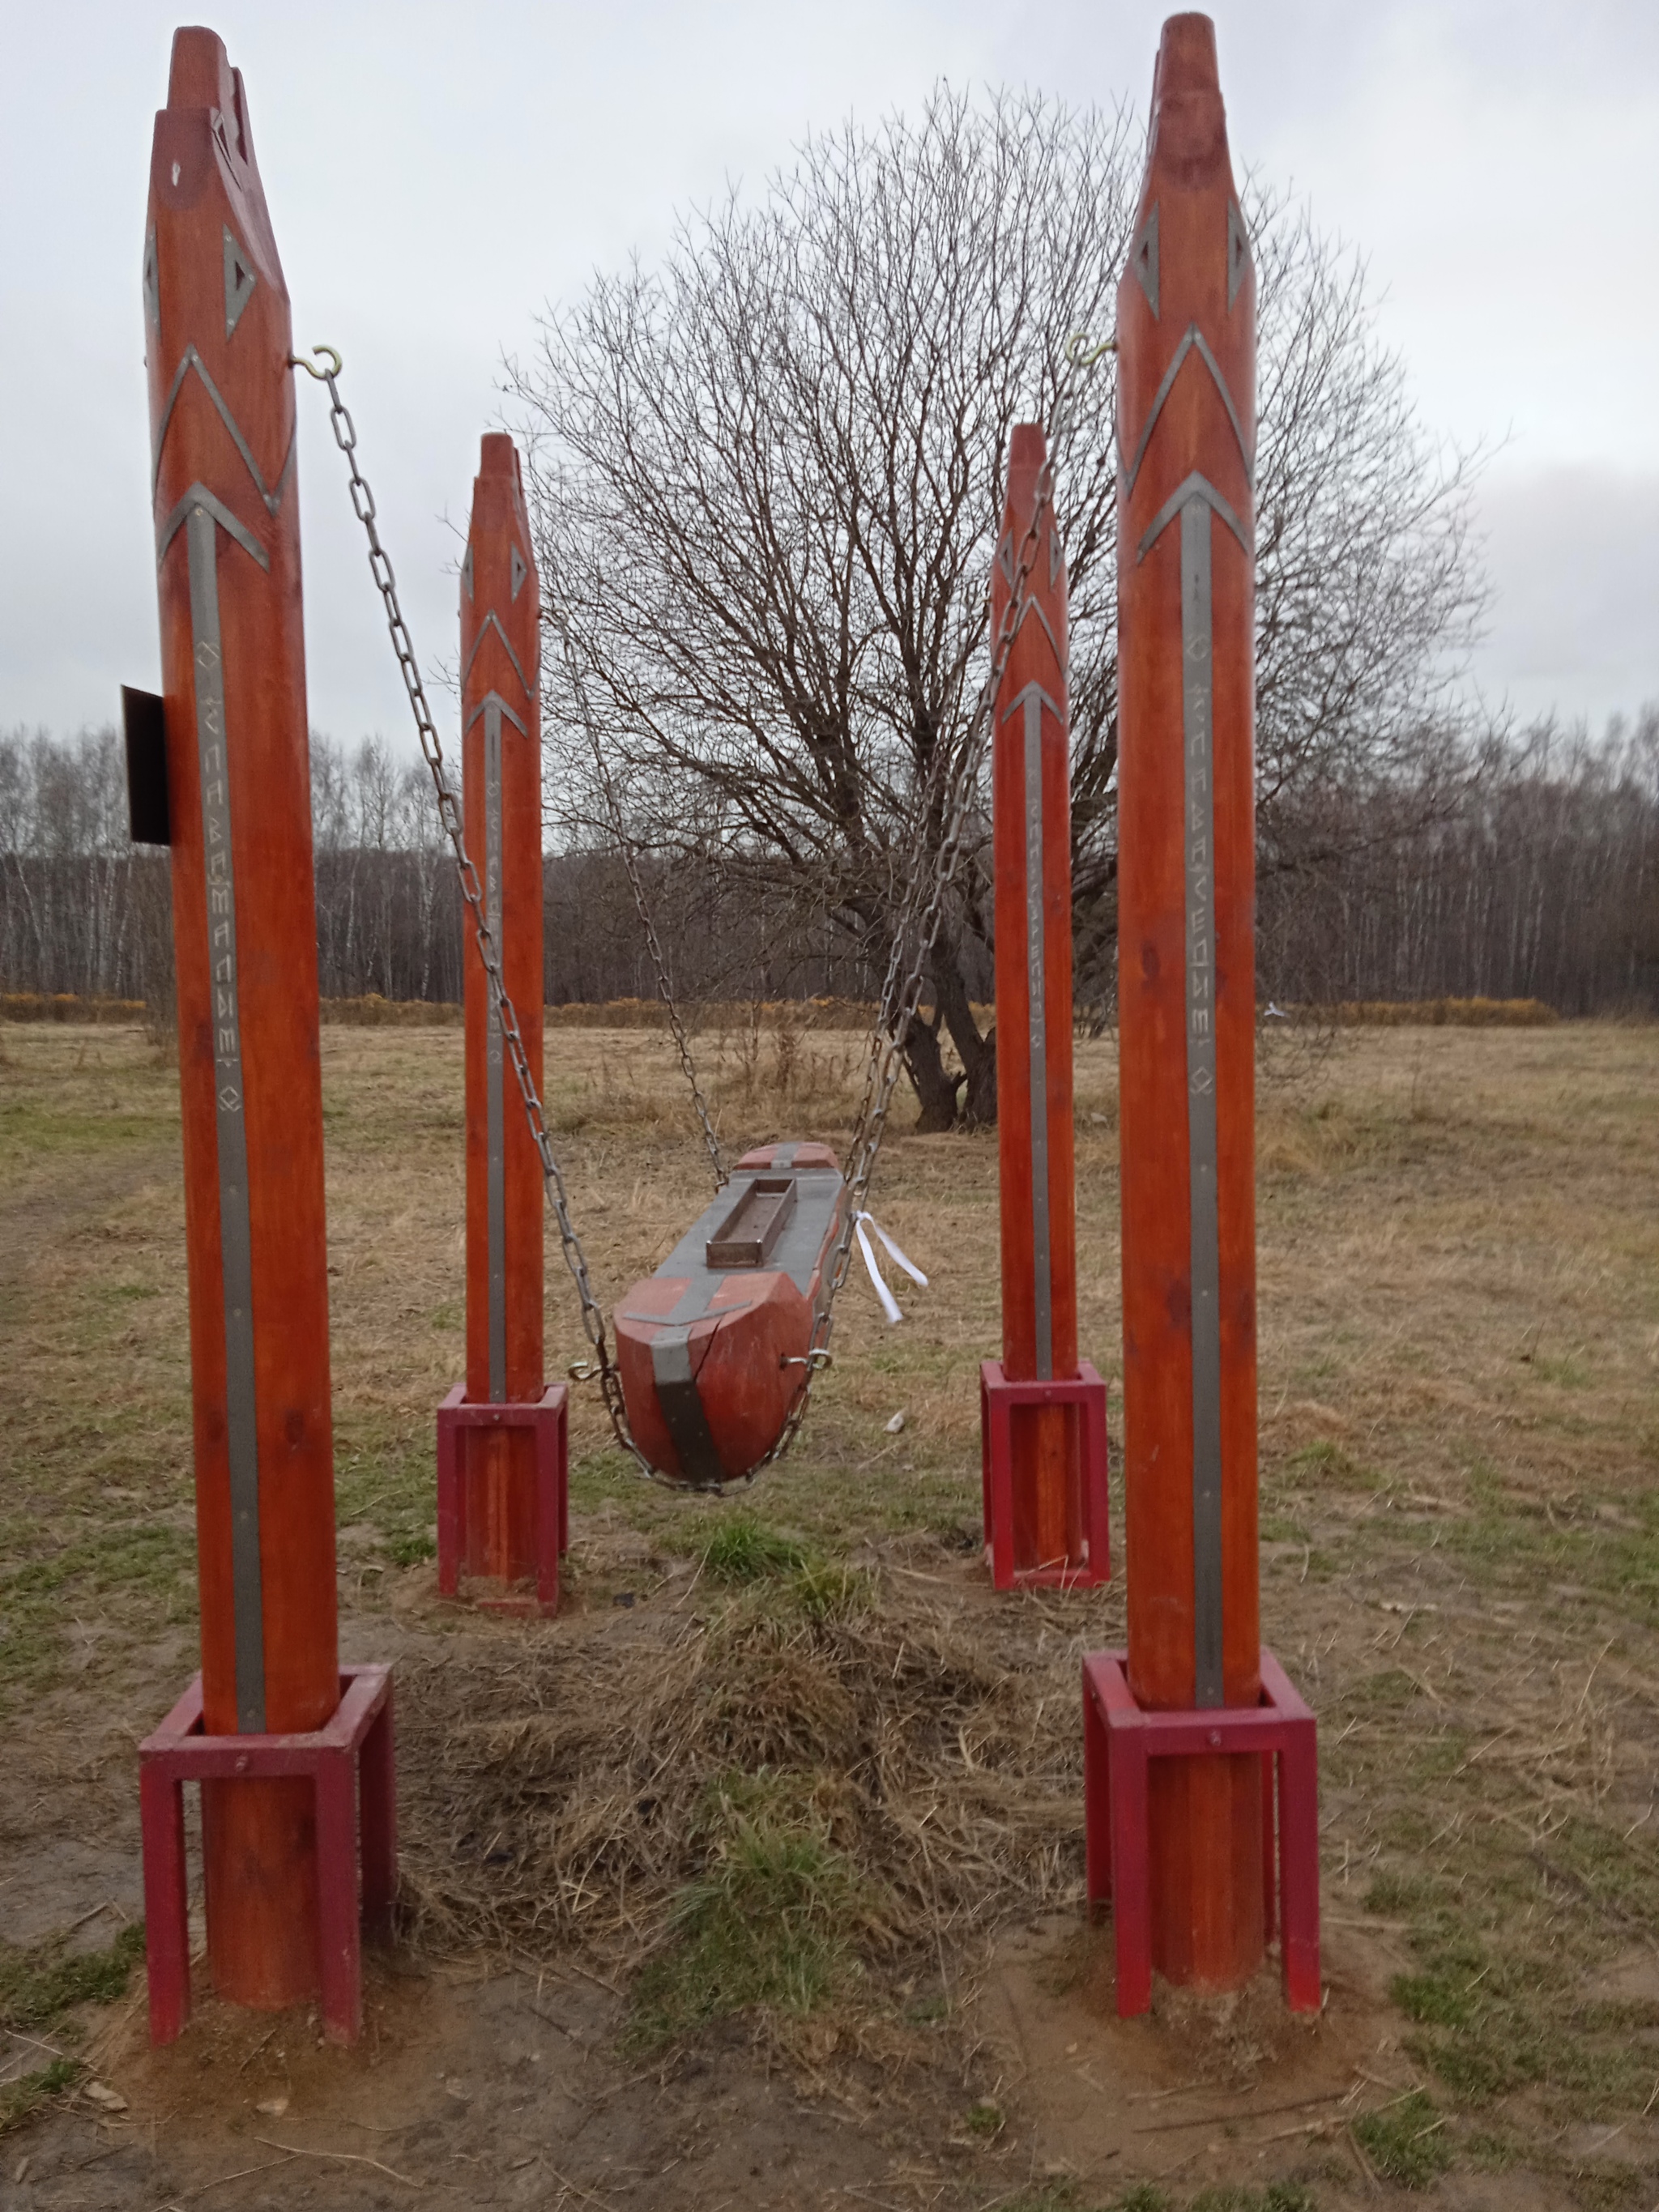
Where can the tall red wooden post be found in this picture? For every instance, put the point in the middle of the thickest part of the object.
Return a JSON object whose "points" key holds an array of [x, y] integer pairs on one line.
{"points": [[1187, 1003], [493, 1518], [1054, 1438], [227, 552]]}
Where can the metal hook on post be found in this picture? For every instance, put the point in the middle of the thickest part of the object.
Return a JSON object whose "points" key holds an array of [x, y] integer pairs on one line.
{"points": [[322, 375], [1080, 354]]}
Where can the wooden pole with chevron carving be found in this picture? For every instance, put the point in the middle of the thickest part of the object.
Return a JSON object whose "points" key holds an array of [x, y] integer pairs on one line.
{"points": [[1186, 1005], [221, 403], [1043, 1414], [501, 763]]}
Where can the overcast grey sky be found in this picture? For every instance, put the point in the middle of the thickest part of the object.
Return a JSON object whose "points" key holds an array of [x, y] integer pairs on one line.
{"points": [[436, 173]]}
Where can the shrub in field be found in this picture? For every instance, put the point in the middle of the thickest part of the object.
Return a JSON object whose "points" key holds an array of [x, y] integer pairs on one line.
{"points": [[67, 1006]]}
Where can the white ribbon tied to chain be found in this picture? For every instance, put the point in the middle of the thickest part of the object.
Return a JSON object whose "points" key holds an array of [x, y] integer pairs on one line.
{"points": [[890, 1304]]}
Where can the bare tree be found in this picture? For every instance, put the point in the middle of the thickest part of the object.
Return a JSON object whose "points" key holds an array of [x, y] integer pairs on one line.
{"points": [[80, 910], [767, 478]]}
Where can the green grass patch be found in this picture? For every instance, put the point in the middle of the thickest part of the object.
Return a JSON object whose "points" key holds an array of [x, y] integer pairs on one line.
{"points": [[1444, 1999], [1567, 1374], [767, 1926], [1276, 2196], [1527, 1545], [40, 1983], [20, 2100], [1280, 1528], [1332, 1467], [386, 1478], [1497, 1994], [777, 1574], [1406, 2142], [1606, 2187], [605, 1477], [829, 1590], [741, 1548], [1393, 1893], [138, 1560], [39, 1132]]}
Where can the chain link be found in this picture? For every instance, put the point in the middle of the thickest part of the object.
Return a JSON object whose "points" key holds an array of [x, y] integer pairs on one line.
{"points": [[899, 1001], [642, 904], [449, 814]]}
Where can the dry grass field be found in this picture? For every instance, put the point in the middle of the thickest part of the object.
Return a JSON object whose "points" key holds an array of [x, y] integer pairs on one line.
{"points": [[754, 1878]]}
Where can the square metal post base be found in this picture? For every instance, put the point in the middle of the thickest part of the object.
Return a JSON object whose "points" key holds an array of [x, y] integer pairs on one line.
{"points": [[548, 1416], [358, 1742], [998, 1398], [1120, 1739]]}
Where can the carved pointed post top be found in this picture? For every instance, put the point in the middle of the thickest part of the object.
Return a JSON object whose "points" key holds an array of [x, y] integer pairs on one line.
{"points": [[1038, 654], [1187, 308]]}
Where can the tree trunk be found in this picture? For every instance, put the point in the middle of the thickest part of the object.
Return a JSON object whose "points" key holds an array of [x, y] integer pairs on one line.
{"points": [[968, 1099], [936, 1091], [978, 1054]]}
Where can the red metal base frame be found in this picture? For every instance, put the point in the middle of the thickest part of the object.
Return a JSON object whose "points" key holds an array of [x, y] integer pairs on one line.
{"points": [[998, 1397], [357, 1741], [1118, 1739], [548, 1416]]}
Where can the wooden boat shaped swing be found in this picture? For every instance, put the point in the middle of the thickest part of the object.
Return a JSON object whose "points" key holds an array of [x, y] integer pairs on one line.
{"points": [[712, 1348]]}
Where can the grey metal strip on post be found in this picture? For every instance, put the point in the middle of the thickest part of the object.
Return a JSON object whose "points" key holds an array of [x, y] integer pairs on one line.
{"points": [[1036, 975], [496, 1174], [1198, 809], [235, 1243]]}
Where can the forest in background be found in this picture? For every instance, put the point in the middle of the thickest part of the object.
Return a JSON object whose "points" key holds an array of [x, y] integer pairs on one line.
{"points": [[1532, 874]]}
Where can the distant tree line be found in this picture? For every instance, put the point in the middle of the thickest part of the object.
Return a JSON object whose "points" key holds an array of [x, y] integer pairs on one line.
{"points": [[1528, 870], [84, 910]]}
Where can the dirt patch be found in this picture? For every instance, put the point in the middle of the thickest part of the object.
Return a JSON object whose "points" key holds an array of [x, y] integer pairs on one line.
{"points": [[1196, 2093], [500, 2090]]}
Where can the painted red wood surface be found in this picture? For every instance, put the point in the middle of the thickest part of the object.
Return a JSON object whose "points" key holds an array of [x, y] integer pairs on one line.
{"points": [[1046, 1480], [223, 426], [744, 1345], [501, 636], [1187, 296]]}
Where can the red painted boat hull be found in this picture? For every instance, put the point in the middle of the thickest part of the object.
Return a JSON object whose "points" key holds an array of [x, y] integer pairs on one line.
{"points": [[704, 1352]]}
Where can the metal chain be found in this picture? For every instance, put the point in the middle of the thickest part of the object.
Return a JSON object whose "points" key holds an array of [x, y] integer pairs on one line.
{"points": [[642, 905], [449, 813]]}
